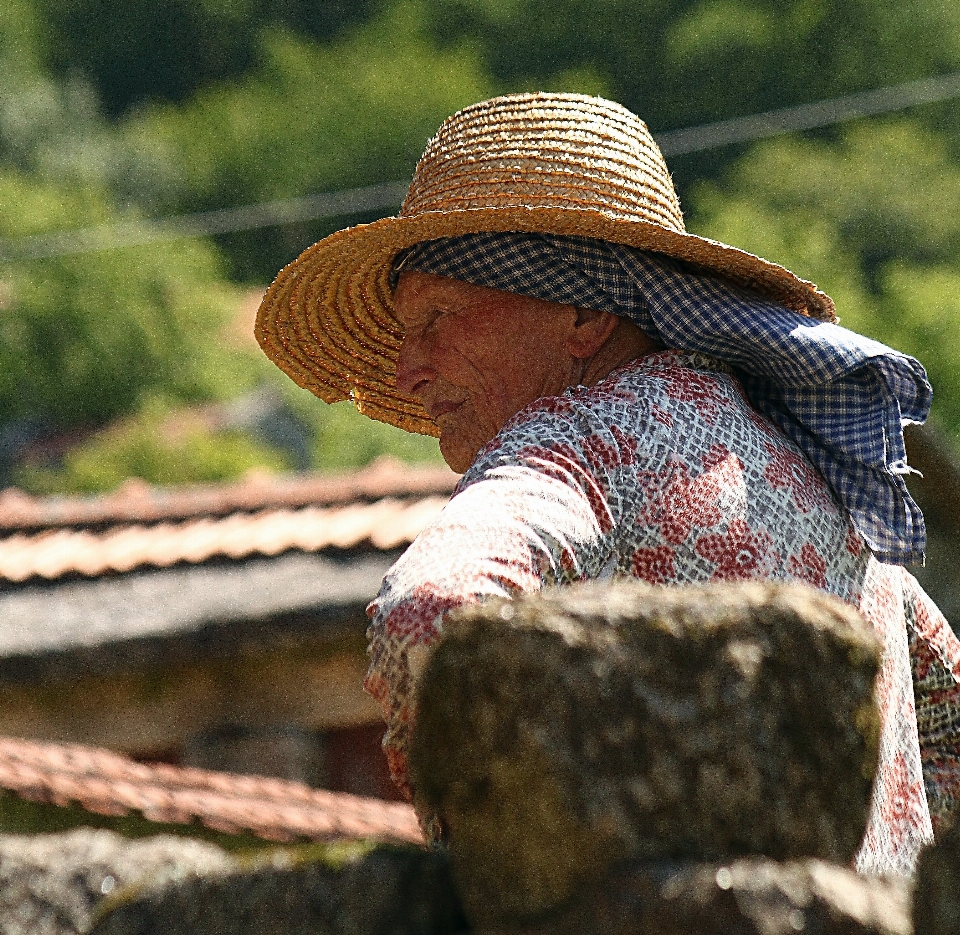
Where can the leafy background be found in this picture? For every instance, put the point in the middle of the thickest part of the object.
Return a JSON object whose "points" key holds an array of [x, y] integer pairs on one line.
{"points": [[137, 361]]}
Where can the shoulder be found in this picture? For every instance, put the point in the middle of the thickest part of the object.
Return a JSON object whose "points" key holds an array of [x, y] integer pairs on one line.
{"points": [[675, 380], [654, 410], [658, 404], [656, 390]]}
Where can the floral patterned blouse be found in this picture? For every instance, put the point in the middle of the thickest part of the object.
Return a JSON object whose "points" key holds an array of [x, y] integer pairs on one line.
{"points": [[664, 472]]}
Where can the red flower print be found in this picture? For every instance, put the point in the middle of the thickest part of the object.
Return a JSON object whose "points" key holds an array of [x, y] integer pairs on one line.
{"points": [[603, 455], [739, 553], [685, 504], [399, 770], [887, 604], [661, 415], [376, 685], [667, 507], [762, 423], [809, 566], [692, 386], [417, 617], [788, 469], [553, 405], [599, 453], [616, 391], [854, 542], [715, 456], [900, 798], [654, 565], [569, 566], [932, 629], [626, 444]]}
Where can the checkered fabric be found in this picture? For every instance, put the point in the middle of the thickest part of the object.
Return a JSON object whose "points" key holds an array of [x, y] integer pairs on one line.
{"points": [[840, 397]]}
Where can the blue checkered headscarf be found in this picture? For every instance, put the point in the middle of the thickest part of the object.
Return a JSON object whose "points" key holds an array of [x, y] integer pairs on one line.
{"points": [[841, 397]]}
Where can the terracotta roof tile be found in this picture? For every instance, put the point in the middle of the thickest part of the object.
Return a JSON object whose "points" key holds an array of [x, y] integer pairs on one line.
{"points": [[137, 502], [273, 809], [384, 524]]}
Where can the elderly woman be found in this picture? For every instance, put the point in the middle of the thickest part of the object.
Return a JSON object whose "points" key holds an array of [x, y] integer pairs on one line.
{"points": [[623, 399]]}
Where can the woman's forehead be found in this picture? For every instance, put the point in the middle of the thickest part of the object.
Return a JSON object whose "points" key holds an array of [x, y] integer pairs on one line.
{"points": [[421, 297]]}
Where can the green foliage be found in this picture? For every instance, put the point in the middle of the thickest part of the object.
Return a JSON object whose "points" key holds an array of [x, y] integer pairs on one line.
{"points": [[54, 130], [891, 188], [221, 103], [345, 439], [31, 104], [141, 50], [312, 118], [678, 63], [86, 338], [21, 45], [164, 445], [681, 61], [874, 219], [157, 447]]}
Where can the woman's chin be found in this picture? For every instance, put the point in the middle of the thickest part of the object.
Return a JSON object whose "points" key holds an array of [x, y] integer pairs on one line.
{"points": [[457, 452]]}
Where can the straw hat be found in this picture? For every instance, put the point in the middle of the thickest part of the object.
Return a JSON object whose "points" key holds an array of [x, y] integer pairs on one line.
{"points": [[548, 163]]}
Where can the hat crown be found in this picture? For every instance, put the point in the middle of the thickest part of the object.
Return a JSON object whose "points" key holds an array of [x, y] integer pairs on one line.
{"points": [[564, 151]]}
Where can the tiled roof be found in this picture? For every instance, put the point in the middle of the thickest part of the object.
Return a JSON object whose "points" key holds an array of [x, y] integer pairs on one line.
{"points": [[383, 508], [276, 810], [139, 502]]}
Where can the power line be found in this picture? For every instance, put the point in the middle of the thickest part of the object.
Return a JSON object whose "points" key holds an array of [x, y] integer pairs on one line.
{"points": [[388, 195], [227, 221], [810, 116]]}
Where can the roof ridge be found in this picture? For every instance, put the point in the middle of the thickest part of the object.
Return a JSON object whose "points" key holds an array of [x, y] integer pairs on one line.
{"points": [[109, 783], [135, 501], [52, 552]]}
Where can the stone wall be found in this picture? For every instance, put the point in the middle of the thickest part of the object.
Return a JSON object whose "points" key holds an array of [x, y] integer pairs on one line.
{"points": [[616, 760]]}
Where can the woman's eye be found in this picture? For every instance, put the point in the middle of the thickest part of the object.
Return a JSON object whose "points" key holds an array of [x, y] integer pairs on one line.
{"points": [[438, 315]]}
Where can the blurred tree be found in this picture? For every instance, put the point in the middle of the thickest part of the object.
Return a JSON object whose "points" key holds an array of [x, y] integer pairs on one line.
{"points": [[21, 47], [86, 338], [156, 445], [679, 63], [229, 102], [142, 50], [342, 438], [312, 118], [54, 129], [30, 102]]}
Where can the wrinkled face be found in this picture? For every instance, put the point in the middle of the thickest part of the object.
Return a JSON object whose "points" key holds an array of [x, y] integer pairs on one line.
{"points": [[476, 356]]}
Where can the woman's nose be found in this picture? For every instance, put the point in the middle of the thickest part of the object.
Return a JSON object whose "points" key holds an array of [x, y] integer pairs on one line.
{"points": [[414, 370]]}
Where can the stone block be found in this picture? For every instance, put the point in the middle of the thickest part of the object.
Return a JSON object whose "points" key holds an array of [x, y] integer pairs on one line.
{"points": [[52, 884], [560, 733], [750, 896], [306, 891], [937, 889]]}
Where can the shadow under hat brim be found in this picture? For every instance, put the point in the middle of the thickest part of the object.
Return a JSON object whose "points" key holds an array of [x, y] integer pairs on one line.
{"points": [[328, 319]]}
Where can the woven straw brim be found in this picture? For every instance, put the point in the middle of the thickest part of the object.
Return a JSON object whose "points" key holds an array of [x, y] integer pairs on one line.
{"points": [[328, 319]]}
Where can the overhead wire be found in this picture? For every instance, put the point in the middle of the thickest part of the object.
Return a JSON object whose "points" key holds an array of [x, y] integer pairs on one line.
{"points": [[137, 233], [810, 116], [388, 195]]}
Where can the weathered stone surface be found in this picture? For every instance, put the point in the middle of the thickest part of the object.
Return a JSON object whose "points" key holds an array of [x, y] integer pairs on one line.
{"points": [[560, 733], [751, 896], [50, 884], [937, 890], [390, 891]]}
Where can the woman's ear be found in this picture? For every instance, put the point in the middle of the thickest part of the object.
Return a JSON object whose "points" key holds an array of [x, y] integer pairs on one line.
{"points": [[591, 331]]}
